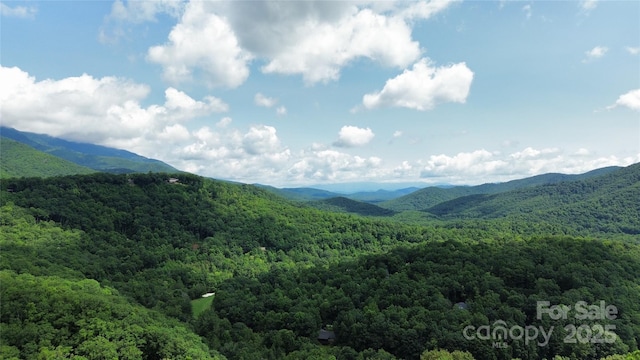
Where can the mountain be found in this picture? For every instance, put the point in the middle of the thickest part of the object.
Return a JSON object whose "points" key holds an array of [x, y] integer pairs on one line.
{"points": [[344, 204], [430, 196], [381, 195], [18, 160], [364, 186], [604, 201], [310, 194], [300, 194], [96, 157]]}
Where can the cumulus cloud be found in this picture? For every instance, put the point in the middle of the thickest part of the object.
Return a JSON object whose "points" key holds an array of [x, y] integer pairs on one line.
{"points": [[424, 9], [268, 102], [422, 87], [188, 108], [126, 13], [334, 166], [351, 136], [482, 166], [106, 111], [260, 139], [588, 5], [630, 100], [229, 153], [224, 122], [24, 12], [326, 47], [143, 11], [202, 45], [265, 101], [633, 50], [155, 131], [595, 53], [479, 162], [315, 38]]}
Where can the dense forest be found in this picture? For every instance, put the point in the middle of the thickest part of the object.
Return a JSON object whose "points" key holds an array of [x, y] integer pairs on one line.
{"points": [[107, 266]]}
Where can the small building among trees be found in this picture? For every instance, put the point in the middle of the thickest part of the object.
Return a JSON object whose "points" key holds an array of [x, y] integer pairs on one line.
{"points": [[326, 337]]}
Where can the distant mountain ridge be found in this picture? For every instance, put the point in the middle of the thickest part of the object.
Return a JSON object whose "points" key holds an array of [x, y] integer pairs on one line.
{"points": [[312, 194], [431, 196], [96, 157], [605, 202]]}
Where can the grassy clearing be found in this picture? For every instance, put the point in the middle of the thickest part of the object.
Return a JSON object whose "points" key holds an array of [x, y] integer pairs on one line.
{"points": [[198, 306]]}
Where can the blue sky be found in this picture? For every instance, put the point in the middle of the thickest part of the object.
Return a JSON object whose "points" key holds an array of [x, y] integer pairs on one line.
{"points": [[296, 93]]}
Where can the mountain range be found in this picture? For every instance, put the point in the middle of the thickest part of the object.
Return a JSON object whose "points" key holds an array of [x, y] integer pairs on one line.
{"points": [[95, 157], [548, 195], [430, 196]]}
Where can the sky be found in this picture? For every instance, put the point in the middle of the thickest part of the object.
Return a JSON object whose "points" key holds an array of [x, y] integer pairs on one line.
{"points": [[300, 93]]}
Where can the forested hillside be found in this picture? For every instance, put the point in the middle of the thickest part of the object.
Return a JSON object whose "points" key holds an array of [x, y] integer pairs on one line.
{"points": [[408, 299], [18, 159], [103, 247], [343, 204], [49, 310], [602, 204], [431, 196], [96, 157]]}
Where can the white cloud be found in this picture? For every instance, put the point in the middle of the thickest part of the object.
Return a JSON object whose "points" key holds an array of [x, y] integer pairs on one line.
{"points": [[595, 53], [397, 134], [633, 50], [24, 12], [527, 11], [260, 139], [479, 162], [315, 38], [531, 153], [281, 110], [424, 9], [351, 136], [230, 154], [334, 166], [224, 122], [174, 134], [142, 11], [582, 152], [268, 102], [202, 45], [105, 111], [189, 108], [326, 47], [422, 87], [588, 5], [125, 13], [482, 166], [630, 100], [262, 100]]}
